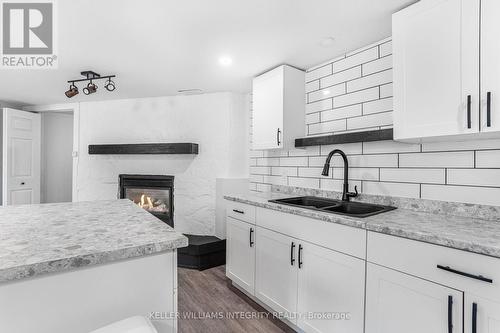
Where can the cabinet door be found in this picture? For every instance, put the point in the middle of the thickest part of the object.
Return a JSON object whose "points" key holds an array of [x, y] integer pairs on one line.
{"points": [[396, 302], [333, 284], [267, 114], [240, 266], [276, 273], [486, 313], [490, 65], [436, 69]]}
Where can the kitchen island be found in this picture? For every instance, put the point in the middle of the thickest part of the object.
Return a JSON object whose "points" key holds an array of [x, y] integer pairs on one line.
{"points": [[74, 267]]}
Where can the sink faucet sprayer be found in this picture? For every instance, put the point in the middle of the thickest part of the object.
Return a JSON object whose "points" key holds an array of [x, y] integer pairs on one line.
{"points": [[346, 195]]}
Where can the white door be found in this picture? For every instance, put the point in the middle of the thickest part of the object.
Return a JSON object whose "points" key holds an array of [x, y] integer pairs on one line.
{"points": [[333, 284], [267, 110], [276, 272], [396, 303], [486, 313], [490, 65], [240, 266], [436, 69], [21, 157]]}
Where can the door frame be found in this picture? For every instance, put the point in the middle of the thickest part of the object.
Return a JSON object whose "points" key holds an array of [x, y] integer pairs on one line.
{"points": [[67, 107]]}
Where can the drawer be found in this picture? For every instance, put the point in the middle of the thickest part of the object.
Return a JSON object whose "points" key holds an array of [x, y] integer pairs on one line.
{"points": [[337, 237], [240, 211], [421, 259]]}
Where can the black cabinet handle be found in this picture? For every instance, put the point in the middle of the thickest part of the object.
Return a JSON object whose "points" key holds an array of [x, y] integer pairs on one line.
{"points": [[251, 238], [450, 314], [488, 109], [474, 318], [472, 276], [300, 256], [469, 104], [238, 211], [278, 137], [292, 259]]}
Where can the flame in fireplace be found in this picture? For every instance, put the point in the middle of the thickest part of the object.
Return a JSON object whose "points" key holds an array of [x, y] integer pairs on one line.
{"points": [[146, 202]]}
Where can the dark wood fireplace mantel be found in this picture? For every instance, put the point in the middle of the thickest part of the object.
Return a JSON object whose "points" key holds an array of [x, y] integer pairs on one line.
{"points": [[144, 148]]}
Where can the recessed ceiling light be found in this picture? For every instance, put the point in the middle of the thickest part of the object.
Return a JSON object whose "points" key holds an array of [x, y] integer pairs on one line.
{"points": [[225, 61], [327, 41]]}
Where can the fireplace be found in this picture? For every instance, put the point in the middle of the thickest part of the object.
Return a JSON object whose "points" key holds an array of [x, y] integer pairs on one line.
{"points": [[154, 193]]}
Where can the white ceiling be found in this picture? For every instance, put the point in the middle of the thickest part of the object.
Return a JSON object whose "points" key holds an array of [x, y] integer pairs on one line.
{"points": [[157, 47]]}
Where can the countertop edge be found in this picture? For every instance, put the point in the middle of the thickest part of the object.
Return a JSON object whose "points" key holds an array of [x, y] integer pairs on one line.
{"points": [[92, 259], [470, 247]]}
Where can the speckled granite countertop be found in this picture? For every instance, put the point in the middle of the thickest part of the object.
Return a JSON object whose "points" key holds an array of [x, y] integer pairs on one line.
{"points": [[463, 233], [49, 238]]}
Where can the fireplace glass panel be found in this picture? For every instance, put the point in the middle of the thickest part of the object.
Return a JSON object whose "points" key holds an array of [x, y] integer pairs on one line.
{"points": [[155, 201]]}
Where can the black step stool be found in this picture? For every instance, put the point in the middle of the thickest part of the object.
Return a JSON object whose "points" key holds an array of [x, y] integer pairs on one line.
{"points": [[202, 252]]}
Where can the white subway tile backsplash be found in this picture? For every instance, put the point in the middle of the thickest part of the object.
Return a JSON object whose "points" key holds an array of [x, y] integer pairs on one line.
{"points": [[488, 159], [293, 161], [318, 73], [467, 171], [372, 120], [341, 77], [377, 65], [474, 177], [303, 182], [469, 194], [386, 90], [356, 59], [343, 112], [385, 49], [327, 127], [369, 81], [336, 90], [430, 176], [357, 173], [437, 160], [392, 189], [380, 105], [312, 86], [325, 104], [384, 147], [356, 97]]}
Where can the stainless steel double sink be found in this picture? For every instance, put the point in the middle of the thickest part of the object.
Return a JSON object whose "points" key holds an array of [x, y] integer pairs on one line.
{"points": [[349, 208]]}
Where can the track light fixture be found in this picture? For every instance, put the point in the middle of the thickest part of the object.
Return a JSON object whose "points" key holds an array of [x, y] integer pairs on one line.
{"points": [[91, 86], [72, 91]]}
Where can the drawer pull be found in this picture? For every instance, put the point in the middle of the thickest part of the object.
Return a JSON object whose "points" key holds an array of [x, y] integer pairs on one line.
{"points": [[300, 255], [488, 109], [251, 237], [474, 317], [450, 314], [238, 211], [292, 259], [469, 104], [472, 276]]}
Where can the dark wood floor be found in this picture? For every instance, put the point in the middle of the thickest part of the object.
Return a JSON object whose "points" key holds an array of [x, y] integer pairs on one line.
{"points": [[210, 292]]}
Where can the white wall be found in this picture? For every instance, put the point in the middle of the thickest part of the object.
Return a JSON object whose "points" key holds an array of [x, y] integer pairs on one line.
{"points": [[217, 122], [353, 92], [56, 159]]}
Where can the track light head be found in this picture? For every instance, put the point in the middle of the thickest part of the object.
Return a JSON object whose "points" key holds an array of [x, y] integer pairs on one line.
{"points": [[90, 88], [110, 85], [73, 91]]}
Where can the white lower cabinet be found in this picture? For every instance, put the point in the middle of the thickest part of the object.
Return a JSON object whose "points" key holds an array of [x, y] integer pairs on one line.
{"points": [[240, 263], [331, 289], [397, 302], [276, 273], [481, 315]]}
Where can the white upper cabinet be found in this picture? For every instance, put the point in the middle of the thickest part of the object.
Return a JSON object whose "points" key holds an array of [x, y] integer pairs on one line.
{"points": [[436, 69], [490, 66], [278, 108]]}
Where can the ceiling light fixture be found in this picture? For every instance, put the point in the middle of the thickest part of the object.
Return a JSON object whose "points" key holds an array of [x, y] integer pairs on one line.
{"points": [[91, 86], [73, 91], [225, 61]]}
